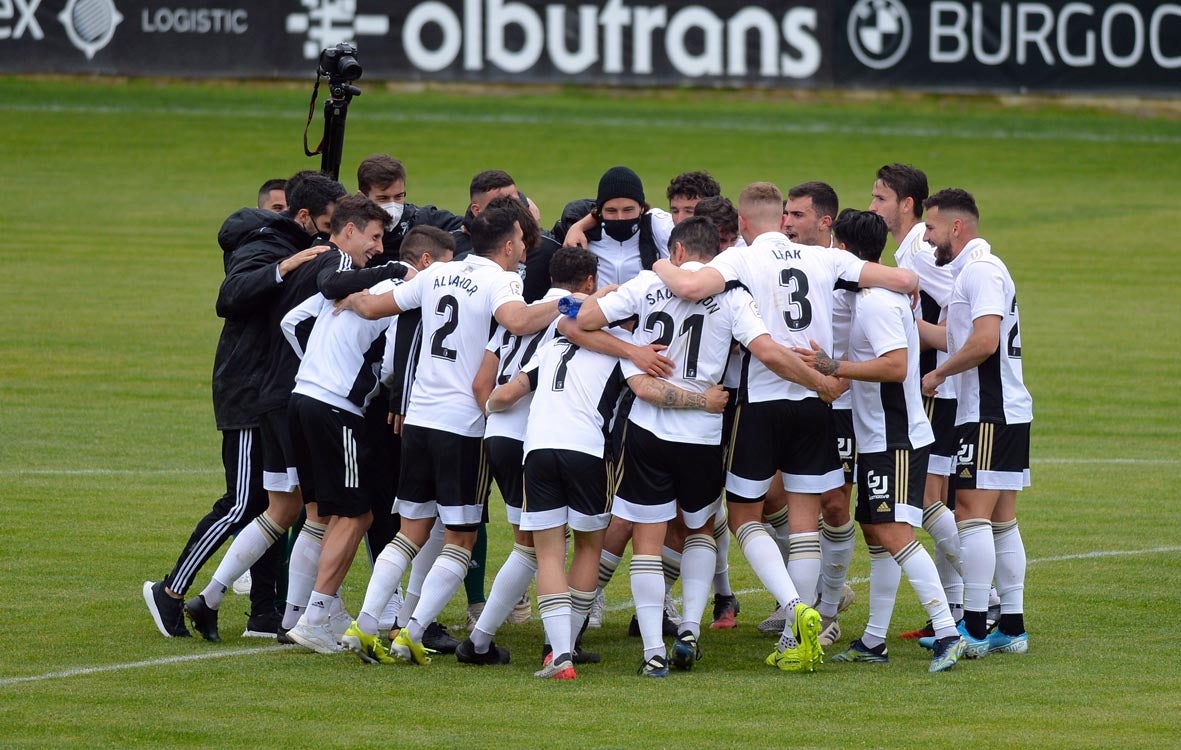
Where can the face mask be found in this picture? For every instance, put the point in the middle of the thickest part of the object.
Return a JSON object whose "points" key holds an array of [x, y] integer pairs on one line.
{"points": [[395, 211], [621, 230]]}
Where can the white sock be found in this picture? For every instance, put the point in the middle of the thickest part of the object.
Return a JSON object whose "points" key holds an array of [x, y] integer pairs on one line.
{"points": [[607, 565], [803, 561], [884, 577], [919, 568], [776, 526], [953, 582], [301, 571], [440, 584], [836, 553], [250, 545], [978, 558], [767, 563], [697, 566], [722, 563], [555, 620], [510, 584], [388, 569], [939, 522], [319, 607], [670, 561], [1010, 567], [580, 604], [647, 582]]}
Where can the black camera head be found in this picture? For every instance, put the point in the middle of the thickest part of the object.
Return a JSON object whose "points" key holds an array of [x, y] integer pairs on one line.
{"points": [[340, 63]]}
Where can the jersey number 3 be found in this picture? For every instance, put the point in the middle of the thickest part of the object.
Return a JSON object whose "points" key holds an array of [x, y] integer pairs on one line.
{"points": [[797, 313]]}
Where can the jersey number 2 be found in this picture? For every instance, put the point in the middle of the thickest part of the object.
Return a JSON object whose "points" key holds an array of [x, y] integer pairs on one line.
{"points": [[449, 308]]}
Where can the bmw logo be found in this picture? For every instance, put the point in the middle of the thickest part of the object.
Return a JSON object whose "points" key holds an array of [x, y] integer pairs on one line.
{"points": [[879, 32]]}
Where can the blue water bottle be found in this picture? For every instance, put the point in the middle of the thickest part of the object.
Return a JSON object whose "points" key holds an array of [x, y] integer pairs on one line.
{"points": [[569, 307]]}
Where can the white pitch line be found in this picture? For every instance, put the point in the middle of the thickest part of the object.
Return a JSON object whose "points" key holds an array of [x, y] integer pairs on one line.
{"points": [[137, 664], [214, 470], [613, 608], [819, 127]]}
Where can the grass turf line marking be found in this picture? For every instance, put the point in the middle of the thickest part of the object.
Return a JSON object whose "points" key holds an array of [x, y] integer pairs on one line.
{"points": [[137, 664], [613, 608], [214, 470], [814, 127]]}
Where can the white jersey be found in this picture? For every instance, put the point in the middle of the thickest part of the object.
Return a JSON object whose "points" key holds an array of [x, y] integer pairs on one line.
{"points": [[887, 416], [620, 261], [793, 286], [843, 301], [512, 353], [341, 363], [698, 336], [935, 284], [458, 301], [995, 390], [575, 392]]}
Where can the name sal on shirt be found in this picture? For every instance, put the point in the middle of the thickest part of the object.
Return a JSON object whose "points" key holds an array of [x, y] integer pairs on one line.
{"points": [[466, 283], [664, 293]]}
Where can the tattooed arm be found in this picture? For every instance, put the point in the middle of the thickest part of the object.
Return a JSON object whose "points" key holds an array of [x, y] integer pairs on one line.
{"points": [[668, 396]]}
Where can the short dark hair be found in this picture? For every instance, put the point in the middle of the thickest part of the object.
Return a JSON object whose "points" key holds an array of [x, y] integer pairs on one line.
{"points": [[294, 180], [358, 211], [274, 184], [862, 233], [693, 185], [530, 229], [824, 198], [314, 192], [492, 228], [489, 180], [720, 211], [906, 181], [426, 239], [570, 266], [379, 171], [698, 235], [953, 199]]}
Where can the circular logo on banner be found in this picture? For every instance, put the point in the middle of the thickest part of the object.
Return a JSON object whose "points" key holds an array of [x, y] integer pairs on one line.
{"points": [[90, 24], [879, 32]]}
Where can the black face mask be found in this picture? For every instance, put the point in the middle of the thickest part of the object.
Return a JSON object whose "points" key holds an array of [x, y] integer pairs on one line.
{"points": [[621, 230]]}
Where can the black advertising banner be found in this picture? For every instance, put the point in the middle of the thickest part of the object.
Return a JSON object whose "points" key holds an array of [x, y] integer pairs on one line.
{"points": [[1130, 46], [1007, 46]]}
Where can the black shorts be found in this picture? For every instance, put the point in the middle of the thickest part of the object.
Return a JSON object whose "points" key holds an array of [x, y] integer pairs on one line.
{"points": [[728, 418], [941, 415], [657, 476], [505, 457], [797, 438], [992, 456], [564, 487], [443, 475], [846, 443], [890, 486], [338, 464], [278, 454]]}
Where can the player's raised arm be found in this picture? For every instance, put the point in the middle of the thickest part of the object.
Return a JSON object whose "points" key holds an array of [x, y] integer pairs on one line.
{"points": [[692, 285]]}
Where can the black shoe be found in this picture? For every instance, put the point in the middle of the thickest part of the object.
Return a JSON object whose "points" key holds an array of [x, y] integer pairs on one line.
{"points": [[578, 656], [203, 618], [167, 613], [722, 604], [437, 639], [466, 653], [263, 625], [668, 628], [282, 637]]}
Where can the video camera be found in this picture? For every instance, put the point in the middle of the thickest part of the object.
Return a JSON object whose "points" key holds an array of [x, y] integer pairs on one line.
{"points": [[340, 66]]}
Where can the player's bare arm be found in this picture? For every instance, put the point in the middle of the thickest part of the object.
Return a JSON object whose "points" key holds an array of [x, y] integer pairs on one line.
{"points": [[887, 277], [590, 315], [368, 306], [485, 380], [504, 396], [522, 319], [668, 396], [981, 343], [691, 285], [932, 335], [646, 358]]}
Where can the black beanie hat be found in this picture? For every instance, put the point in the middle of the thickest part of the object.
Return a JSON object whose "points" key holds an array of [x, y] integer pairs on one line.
{"points": [[620, 182]]}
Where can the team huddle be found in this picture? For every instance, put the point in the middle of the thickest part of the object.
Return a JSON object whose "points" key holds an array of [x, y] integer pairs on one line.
{"points": [[674, 379]]}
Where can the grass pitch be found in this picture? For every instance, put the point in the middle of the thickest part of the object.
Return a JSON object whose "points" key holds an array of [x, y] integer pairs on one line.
{"points": [[108, 453]]}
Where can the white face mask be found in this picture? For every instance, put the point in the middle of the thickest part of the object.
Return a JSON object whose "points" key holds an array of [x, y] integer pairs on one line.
{"points": [[395, 211]]}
